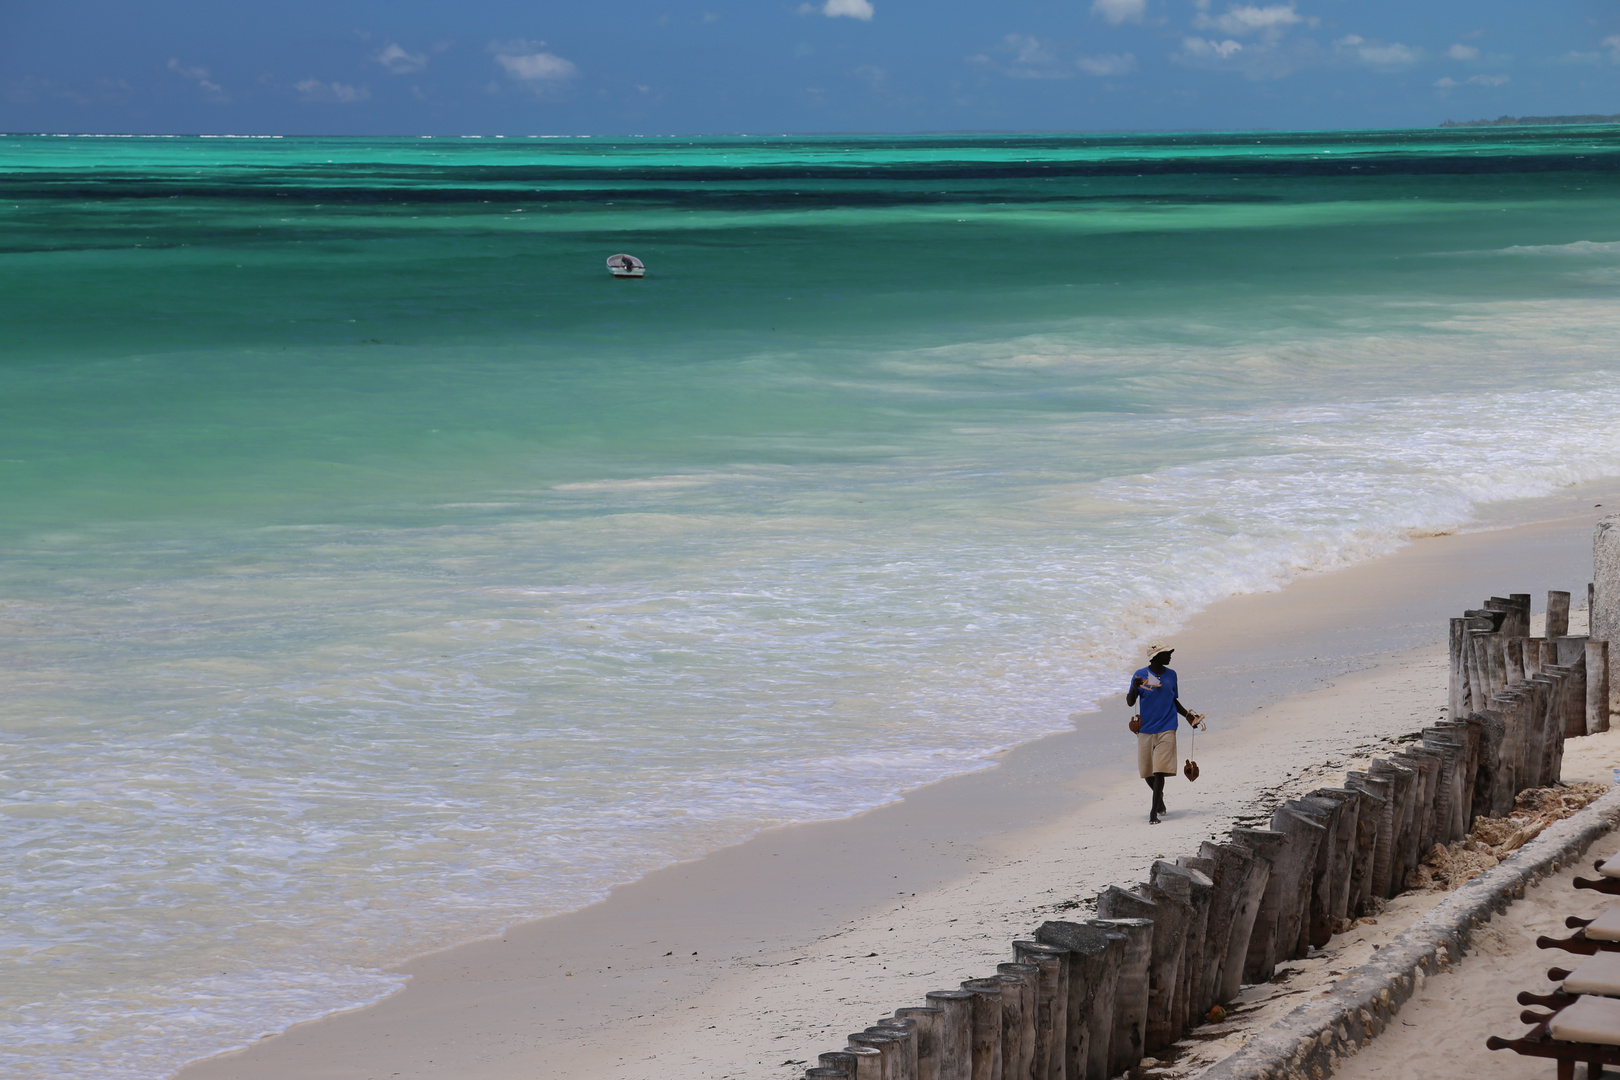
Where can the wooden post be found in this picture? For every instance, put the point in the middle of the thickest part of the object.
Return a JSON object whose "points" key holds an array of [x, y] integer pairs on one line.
{"points": [[849, 1062], [1572, 706], [1094, 957], [1344, 852], [1298, 868], [1317, 927], [1167, 1006], [1202, 987], [906, 1028], [1513, 659], [1369, 820], [1487, 778], [1233, 866], [1423, 812], [1051, 1005], [1548, 719], [1479, 683], [1534, 714], [927, 1018], [1436, 796], [1425, 788], [1520, 614], [1456, 697], [1557, 615], [1018, 983], [1467, 735], [1572, 657], [1195, 888], [1449, 807], [1574, 725], [822, 1072], [1532, 656], [1131, 991], [1402, 780], [1471, 730], [986, 1028], [1169, 924], [953, 1033], [1410, 837], [887, 1043], [1516, 613], [1597, 686], [1255, 923], [1516, 720], [1381, 788]]}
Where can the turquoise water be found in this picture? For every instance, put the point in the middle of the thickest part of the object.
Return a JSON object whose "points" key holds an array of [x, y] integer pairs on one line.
{"points": [[377, 570]]}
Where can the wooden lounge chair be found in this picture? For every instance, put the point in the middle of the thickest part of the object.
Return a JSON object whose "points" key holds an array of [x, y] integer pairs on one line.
{"points": [[1598, 975], [1586, 1029], [1608, 880], [1601, 934]]}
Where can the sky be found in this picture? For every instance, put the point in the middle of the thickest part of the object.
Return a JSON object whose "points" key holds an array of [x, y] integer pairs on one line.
{"points": [[673, 67]]}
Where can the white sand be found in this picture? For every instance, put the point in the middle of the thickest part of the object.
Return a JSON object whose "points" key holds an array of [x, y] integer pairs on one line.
{"points": [[751, 961], [1442, 1031]]}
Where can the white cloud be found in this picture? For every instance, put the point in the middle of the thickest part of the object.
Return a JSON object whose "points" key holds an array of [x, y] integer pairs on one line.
{"points": [[340, 93], [849, 9], [1378, 54], [1029, 50], [1107, 64], [211, 90], [400, 62], [1241, 21], [528, 61], [1031, 58], [1119, 11], [1448, 83], [1463, 52], [1203, 48], [1254, 60], [1024, 56]]}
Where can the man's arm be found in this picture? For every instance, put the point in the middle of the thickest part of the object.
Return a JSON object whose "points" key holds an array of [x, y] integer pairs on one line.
{"points": [[1133, 693]]}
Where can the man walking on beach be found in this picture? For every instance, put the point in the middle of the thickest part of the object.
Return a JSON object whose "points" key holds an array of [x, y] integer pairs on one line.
{"points": [[1155, 686]]}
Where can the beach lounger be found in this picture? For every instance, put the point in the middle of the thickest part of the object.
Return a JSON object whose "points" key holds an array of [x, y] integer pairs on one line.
{"points": [[1598, 975], [1601, 934], [1608, 880], [1587, 1029]]}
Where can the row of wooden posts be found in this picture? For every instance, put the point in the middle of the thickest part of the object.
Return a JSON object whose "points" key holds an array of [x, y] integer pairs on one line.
{"points": [[1495, 663], [1088, 1000]]}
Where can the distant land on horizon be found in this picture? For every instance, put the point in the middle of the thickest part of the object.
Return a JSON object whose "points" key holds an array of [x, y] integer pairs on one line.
{"points": [[1533, 121]]}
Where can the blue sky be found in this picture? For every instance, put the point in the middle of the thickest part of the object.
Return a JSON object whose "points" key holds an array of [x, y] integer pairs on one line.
{"points": [[766, 66]]}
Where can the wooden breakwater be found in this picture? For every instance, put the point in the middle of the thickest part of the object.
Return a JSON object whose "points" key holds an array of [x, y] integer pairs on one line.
{"points": [[1089, 1000]]}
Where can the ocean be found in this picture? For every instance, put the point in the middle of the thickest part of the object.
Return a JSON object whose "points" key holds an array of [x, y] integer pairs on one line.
{"points": [[376, 571]]}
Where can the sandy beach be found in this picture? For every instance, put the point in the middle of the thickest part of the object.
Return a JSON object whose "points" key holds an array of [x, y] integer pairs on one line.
{"points": [[1442, 1030], [750, 961]]}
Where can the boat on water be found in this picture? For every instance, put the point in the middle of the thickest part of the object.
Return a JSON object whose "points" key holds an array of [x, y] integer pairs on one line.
{"points": [[626, 266]]}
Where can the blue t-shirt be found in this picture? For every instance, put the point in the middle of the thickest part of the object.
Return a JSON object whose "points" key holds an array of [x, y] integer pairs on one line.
{"points": [[1158, 705]]}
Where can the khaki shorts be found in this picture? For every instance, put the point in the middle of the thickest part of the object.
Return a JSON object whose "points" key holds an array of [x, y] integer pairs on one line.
{"points": [[1156, 753]]}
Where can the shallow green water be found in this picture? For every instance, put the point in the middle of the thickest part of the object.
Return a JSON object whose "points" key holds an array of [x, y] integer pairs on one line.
{"points": [[377, 570]]}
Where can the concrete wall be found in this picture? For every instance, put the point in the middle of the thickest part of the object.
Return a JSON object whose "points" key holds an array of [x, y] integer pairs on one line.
{"points": [[1606, 597]]}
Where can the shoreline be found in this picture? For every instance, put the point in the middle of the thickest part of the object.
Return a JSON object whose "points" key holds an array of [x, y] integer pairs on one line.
{"points": [[698, 966]]}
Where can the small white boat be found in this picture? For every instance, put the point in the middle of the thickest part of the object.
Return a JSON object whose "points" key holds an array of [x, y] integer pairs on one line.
{"points": [[626, 266]]}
